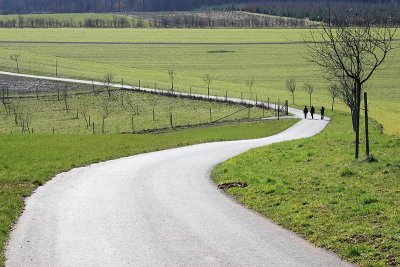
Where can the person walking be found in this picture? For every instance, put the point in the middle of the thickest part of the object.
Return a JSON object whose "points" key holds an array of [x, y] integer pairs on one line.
{"points": [[305, 111], [312, 111], [322, 112]]}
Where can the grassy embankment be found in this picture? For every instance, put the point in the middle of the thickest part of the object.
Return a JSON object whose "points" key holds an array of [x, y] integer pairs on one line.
{"points": [[231, 56], [27, 161], [75, 110], [315, 188]]}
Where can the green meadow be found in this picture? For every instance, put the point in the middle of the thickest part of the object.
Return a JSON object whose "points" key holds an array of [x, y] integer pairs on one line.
{"points": [[231, 56], [315, 188]]}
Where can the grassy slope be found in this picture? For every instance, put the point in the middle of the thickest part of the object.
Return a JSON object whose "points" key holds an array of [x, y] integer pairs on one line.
{"points": [[269, 64], [27, 161], [49, 112], [315, 188]]}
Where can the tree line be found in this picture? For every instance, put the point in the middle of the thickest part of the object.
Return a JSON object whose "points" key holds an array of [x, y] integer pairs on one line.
{"points": [[313, 9], [47, 22], [327, 11]]}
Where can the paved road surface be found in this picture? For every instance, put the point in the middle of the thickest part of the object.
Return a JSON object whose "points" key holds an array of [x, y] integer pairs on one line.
{"points": [[157, 209]]}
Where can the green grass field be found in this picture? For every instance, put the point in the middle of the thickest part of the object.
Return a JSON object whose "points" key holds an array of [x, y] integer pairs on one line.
{"points": [[69, 113], [315, 188], [231, 55], [27, 161]]}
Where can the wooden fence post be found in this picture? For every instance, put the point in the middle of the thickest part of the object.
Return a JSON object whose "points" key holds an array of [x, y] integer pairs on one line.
{"points": [[366, 124]]}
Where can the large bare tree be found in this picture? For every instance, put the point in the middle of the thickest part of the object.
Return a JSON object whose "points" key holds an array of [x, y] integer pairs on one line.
{"points": [[350, 55]]}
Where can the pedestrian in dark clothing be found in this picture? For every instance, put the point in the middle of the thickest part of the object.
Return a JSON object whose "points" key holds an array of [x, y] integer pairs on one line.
{"points": [[305, 111], [322, 112], [312, 111]]}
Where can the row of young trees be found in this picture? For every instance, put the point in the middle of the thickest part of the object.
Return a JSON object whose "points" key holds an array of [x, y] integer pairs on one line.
{"points": [[47, 22], [226, 19], [157, 20], [63, 6]]}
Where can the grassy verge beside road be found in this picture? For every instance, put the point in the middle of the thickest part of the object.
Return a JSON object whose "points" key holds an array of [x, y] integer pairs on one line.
{"points": [[315, 188], [27, 161]]}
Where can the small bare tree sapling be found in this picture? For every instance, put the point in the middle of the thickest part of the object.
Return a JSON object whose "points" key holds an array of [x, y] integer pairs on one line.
{"points": [[65, 98], [130, 104], [309, 88], [291, 86], [123, 95], [5, 93], [25, 117], [108, 81], [15, 107], [207, 79], [16, 58], [106, 107], [84, 110], [249, 84], [334, 92], [171, 74]]}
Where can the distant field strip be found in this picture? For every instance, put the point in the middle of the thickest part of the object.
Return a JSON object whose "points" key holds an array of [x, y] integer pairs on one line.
{"points": [[150, 43]]}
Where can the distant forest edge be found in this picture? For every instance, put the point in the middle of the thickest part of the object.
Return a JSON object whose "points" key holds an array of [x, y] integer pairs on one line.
{"points": [[292, 13], [170, 19]]}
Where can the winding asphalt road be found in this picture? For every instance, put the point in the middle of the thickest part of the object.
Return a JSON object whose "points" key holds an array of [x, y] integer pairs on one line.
{"points": [[157, 209]]}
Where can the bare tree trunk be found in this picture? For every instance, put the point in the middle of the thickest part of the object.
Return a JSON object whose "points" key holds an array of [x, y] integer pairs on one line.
{"points": [[357, 118]]}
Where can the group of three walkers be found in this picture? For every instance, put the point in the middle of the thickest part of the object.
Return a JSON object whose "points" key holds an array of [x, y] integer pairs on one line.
{"points": [[312, 111]]}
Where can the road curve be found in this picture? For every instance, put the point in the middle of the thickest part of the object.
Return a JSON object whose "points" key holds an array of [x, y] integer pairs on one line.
{"points": [[157, 209]]}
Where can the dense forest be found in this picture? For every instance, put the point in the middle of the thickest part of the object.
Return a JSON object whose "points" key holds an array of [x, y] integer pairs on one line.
{"points": [[315, 10]]}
